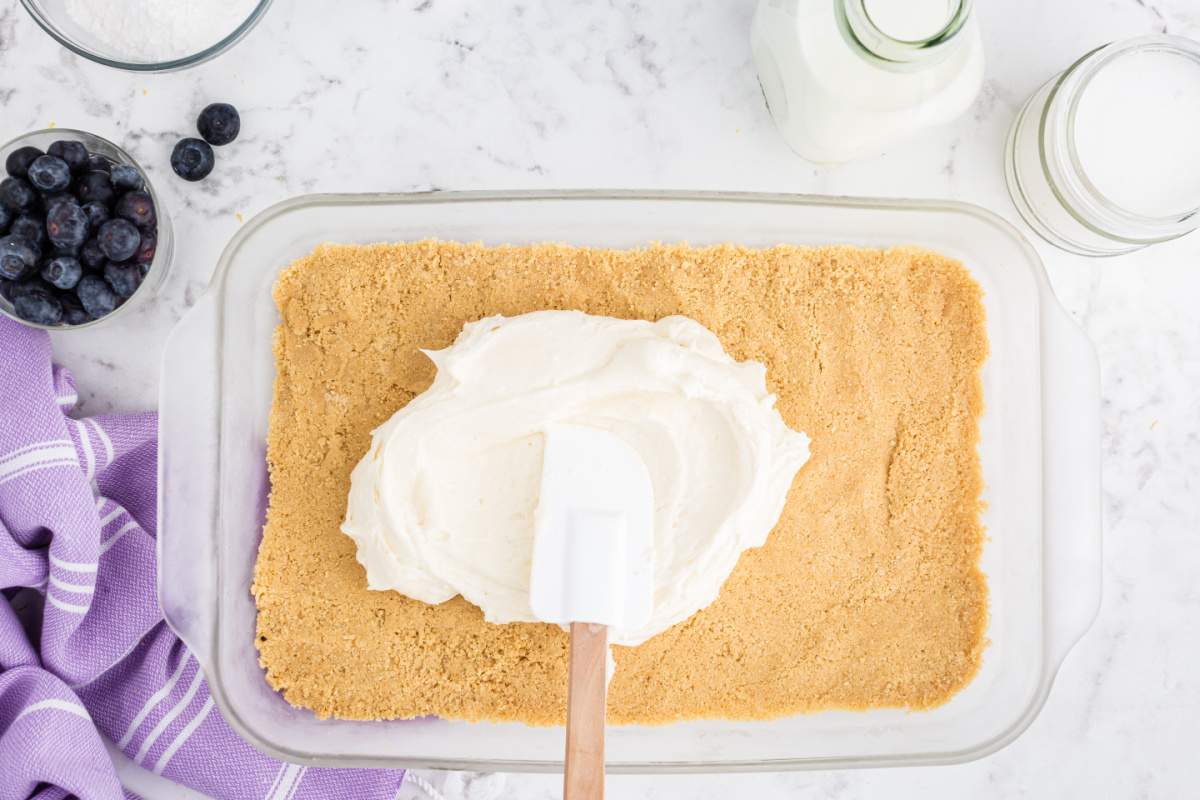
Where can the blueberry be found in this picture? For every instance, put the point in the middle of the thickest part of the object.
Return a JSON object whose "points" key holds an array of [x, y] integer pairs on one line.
{"points": [[137, 207], [219, 124], [126, 178], [62, 272], [16, 194], [119, 239], [51, 200], [73, 311], [192, 159], [18, 256], [96, 296], [147, 249], [6, 218], [67, 225], [18, 161], [39, 306], [29, 228], [98, 163], [50, 174], [123, 278], [97, 214], [74, 153], [95, 187], [90, 255]]}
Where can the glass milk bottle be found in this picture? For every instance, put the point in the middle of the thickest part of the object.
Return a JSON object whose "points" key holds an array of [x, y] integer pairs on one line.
{"points": [[846, 79]]}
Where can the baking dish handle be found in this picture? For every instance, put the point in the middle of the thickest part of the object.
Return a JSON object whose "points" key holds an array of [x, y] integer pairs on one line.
{"points": [[1072, 526], [187, 480]]}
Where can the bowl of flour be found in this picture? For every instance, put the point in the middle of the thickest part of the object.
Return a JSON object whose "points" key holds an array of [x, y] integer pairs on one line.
{"points": [[147, 35]]}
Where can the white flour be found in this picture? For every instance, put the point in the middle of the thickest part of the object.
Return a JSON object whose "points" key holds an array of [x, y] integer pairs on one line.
{"points": [[158, 30]]}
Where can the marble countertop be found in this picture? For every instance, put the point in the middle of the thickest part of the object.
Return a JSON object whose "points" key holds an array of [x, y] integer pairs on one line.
{"points": [[441, 94]]}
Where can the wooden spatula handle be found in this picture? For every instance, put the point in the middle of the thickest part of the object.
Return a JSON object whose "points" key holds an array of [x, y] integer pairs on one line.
{"points": [[584, 773]]}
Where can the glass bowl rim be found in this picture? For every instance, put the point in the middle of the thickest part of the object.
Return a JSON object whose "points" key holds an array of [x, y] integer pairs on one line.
{"points": [[43, 20]]}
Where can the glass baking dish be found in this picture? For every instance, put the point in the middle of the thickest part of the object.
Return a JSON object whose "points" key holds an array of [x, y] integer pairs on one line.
{"points": [[1040, 451]]}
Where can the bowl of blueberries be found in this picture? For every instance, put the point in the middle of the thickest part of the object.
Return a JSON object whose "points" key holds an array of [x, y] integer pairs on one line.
{"points": [[83, 236]]}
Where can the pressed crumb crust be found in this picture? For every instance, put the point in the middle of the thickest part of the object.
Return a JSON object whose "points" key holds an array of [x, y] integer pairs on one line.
{"points": [[868, 592]]}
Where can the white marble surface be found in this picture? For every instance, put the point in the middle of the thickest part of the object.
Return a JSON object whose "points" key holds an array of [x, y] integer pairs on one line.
{"points": [[401, 96]]}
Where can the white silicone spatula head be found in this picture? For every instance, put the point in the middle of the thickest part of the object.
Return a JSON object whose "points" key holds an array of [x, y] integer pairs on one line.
{"points": [[593, 551], [593, 568]]}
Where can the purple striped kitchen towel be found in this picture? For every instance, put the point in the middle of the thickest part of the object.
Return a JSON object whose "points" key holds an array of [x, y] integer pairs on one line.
{"points": [[77, 528]]}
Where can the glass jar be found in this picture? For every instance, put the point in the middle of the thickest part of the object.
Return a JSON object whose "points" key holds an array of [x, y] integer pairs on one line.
{"points": [[1104, 158], [846, 79]]}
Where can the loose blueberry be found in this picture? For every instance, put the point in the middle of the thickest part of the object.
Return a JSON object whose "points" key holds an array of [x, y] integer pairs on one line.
{"points": [[137, 207], [67, 226], [96, 296], [119, 239], [18, 256], [95, 187], [74, 153], [62, 272], [18, 161], [50, 174], [219, 124], [192, 159], [29, 228], [123, 278], [90, 255], [38, 306], [126, 177], [147, 249], [16, 194], [97, 214]]}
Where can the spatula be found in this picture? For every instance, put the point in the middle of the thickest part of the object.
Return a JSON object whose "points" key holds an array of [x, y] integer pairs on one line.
{"points": [[593, 568]]}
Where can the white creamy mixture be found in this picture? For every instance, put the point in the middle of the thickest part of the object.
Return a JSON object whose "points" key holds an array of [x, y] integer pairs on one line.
{"points": [[158, 30], [443, 502]]}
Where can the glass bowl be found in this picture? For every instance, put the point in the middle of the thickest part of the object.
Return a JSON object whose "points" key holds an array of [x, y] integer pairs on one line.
{"points": [[164, 248], [54, 19]]}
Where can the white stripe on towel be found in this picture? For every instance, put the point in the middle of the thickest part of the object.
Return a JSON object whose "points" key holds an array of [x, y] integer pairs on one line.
{"points": [[74, 608], [36, 446], [108, 447], [71, 566], [282, 769], [61, 705], [126, 528], [287, 778], [296, 785], [110, 516], [36, 458], [77, 588], [183, 736], [63, 462], [154, 700], [89, 455], [165, 722]]}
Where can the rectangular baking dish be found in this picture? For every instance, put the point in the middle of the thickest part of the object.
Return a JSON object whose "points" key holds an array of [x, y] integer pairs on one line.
{"points": [[1040, 442]]}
